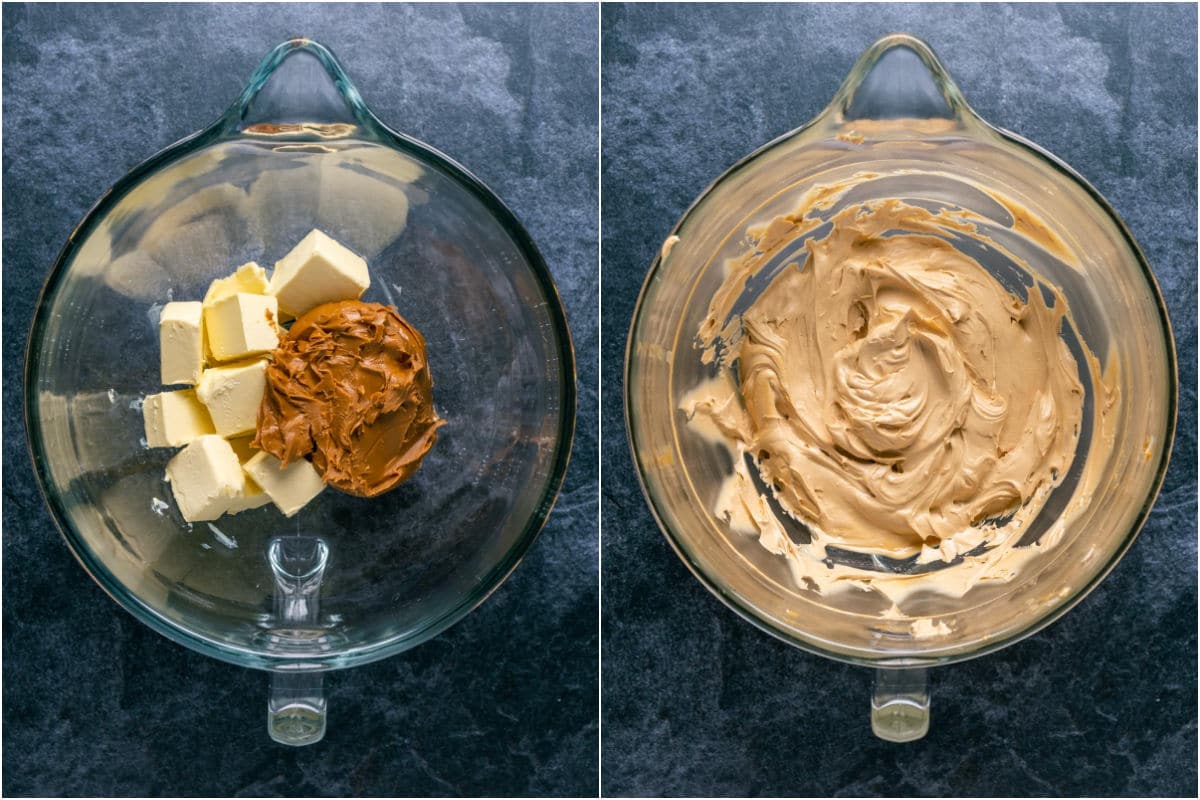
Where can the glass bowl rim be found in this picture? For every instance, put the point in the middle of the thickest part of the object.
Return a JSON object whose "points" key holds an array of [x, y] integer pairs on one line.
{"points": [[765, 622]]}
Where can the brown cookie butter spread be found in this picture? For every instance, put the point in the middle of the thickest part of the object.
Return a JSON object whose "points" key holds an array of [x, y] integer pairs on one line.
{"points": [[349, 387], [891, 394]]}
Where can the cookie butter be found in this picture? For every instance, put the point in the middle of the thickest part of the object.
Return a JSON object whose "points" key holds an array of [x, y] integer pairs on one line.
{"points": [[349, 387], [891, 395]]}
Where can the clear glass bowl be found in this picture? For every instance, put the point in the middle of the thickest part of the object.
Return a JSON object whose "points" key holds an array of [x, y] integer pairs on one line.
{"points": [[347, 580], [900, 115]]}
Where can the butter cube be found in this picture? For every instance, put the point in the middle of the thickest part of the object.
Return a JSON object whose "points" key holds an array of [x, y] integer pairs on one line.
{"points": [[241, 446], [233, 394], [175, 418], [205, 477], [181, 342], [318, 270], [252, 495], [290, 487], [241, 325], [249, 278]]}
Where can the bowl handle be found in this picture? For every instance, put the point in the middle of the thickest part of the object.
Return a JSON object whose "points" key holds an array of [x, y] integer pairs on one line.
{"points": [[898, 87], [299, 90], [900, 704], [296, 706]]}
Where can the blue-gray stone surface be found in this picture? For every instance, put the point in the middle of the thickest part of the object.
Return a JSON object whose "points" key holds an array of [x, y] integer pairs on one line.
{"points": [[698, 702], [505, 702]]}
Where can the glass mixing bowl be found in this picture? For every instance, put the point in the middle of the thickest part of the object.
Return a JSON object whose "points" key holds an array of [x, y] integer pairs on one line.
{"points": [[347, 580], [900, 116]]}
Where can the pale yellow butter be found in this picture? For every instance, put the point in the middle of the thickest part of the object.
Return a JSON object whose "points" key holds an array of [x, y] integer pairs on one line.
{"points": [[252, 495], [290, 487], [318, 270], [232, 395], [241, 325], [241, 446], [249, 278], [173, 419], [205, 478], [181, 342]]}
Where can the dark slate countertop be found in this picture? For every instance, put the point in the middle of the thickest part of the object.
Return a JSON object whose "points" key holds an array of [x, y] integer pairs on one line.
{"points": [[696, 701], [503, 703]]}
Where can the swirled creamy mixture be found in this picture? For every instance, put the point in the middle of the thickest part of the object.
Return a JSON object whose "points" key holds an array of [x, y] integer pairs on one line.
{"points": [[891, 394]]}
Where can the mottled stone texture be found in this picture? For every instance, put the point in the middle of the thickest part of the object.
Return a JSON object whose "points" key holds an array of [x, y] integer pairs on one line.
{"points": [[695, 700], [505, 702]]}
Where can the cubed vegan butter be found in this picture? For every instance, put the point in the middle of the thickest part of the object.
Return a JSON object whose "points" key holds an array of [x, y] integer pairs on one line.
{"points": [[252, 495], [173, 419], [205, 478], [232, 395], [249, 278], [181, 342], [241, 325], [318, 270], [290, 487], [241, 446]]}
